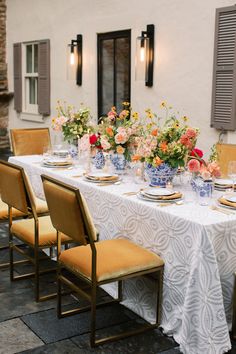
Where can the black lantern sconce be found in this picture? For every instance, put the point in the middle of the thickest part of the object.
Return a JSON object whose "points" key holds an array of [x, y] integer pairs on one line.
{"points": [[75, 59], [145, 56]]}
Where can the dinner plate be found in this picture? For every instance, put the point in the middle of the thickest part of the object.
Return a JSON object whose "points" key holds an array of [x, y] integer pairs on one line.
{"points": [[158, 192], [229, 198], [141, 196], [103, 181], [223, 182], [100, 175]]}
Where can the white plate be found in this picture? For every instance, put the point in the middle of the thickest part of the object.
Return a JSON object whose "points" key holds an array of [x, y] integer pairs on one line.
{"points": [[223, 182], [101, 181], [231, 198], [44, 164], [155, 200], [158, 192], [100, 174]]}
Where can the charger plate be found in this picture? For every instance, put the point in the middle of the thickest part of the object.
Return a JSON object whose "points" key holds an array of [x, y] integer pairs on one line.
{"points": [[142, 196]]}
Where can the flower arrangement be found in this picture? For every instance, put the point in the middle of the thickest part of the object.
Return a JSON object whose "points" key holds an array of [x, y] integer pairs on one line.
{"points": [[169, 142], [116, 131], [73, 123], [206, 170]]}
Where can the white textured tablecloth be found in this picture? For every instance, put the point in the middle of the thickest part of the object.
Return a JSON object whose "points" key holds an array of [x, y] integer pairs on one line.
{"points": [[197, 244]]}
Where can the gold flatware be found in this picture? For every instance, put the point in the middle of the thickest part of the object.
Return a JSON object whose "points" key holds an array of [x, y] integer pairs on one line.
{"points": [[227, 212], [77, 176], [179, 202]]}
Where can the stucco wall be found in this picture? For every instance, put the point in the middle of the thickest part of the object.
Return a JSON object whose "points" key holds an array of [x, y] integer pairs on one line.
{"points": [[183, 51]]}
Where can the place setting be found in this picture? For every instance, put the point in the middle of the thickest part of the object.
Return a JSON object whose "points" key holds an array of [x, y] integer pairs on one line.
{"points": [[160, 195], [102, 178]]}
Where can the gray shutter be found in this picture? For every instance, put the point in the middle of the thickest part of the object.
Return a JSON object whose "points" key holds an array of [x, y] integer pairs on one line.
{"points": [[17, 62], [224, 75], [44, 77]]}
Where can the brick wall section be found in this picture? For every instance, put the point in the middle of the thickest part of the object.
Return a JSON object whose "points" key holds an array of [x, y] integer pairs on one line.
{"points": [[4, 98]]}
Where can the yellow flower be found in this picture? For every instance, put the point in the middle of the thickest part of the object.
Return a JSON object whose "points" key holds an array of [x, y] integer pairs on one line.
{"points": [[53, 120], [176, 124], [135, 116], [125, 103], [120, 149], [163, 104], [185, 118]]}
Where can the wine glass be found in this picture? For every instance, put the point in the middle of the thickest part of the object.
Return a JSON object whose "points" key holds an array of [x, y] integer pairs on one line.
{"points": [[232, 172]]}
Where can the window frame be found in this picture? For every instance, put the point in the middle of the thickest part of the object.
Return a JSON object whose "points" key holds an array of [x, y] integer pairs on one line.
{"points": [[27, 107], [100, 38]]}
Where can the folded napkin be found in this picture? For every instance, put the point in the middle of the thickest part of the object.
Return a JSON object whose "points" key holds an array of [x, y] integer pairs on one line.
{"points": [[226, 202], [176, 195], [102, 179]]}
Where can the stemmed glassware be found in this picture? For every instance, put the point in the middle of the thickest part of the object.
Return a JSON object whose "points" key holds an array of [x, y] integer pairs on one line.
{"points": [[232, 172]]}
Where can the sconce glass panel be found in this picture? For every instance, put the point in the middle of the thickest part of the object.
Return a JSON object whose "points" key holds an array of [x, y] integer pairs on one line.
{"points": [[142, 50], [72, 62]]}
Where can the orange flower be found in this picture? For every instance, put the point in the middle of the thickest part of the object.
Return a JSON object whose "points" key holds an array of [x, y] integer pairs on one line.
{"points": [[109, 131], [164, 146], [157, 161], [136, 158], [120, 149], [154, 132]]}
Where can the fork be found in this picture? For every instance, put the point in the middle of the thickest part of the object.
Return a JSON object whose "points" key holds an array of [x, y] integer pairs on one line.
{"points": [[227, 212]]}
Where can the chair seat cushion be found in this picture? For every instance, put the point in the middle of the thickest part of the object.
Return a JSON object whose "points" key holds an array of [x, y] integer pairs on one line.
{"points": [[24, 229], [115, 258], [41, 207]]}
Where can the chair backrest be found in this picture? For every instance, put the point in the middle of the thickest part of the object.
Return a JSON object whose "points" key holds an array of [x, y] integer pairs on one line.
{"points": [[68, 211], [15, 188], [30, 141], [226, 153]]}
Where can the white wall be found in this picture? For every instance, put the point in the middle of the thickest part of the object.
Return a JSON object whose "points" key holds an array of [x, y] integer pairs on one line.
{"points": [[183, 51]]}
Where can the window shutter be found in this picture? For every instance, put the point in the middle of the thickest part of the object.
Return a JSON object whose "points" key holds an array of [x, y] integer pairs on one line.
{"points": [[44, 77], [224, 74], [17, 60]]}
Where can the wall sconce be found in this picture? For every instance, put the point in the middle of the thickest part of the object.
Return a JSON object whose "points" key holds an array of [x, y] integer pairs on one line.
{"points": [[74, 65], [145, 56]]}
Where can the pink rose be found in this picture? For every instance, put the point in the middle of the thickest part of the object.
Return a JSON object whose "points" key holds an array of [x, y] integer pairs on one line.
{"points": [[194, 165]]}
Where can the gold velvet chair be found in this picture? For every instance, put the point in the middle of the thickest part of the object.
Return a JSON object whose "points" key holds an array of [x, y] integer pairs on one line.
{"points": [[225, 153], [30, 141], [95, 263], [35, 232], [234, 310]]}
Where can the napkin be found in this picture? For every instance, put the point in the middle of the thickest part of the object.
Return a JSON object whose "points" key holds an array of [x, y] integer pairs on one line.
{"points": [[226, 202], [102, 179]]}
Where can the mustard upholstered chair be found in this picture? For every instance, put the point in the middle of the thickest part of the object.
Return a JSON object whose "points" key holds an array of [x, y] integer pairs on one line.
{"points": [[95, 263], [41, 208], [225, 153], [30, 141], [36, 232]]}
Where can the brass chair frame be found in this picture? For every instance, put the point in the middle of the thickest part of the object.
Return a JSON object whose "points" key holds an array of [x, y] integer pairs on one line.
{"points": [[94, 284], [234, 310], [31, 212], [31, 149], [225, 153]]}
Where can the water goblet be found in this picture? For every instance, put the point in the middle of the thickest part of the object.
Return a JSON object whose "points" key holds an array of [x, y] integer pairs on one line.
{"points": [[232, 172]]}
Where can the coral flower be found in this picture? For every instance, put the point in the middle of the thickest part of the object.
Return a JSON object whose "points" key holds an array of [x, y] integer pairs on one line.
{"points": [[191, 133], [109, 131], [194, 165], [120, 138], [120, 149], [136, 158], [154, 132], [157, 161], [163, 146]]}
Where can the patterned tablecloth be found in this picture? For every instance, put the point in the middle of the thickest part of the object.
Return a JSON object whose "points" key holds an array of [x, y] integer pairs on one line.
{"points": [[198, 245]]}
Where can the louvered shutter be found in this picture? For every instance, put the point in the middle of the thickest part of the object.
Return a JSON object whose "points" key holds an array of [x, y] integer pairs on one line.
{"points": [[17, 62], [44, 77], [224, 74]]}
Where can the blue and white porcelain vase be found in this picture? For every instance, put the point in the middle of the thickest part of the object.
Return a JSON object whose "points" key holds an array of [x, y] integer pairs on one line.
{"points": [[160, 175], [119, 162], [99, 160]]}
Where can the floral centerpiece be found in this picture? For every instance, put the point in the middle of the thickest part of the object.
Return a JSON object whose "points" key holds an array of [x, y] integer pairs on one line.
{"points": [[117, 132], [164, 146], [73, 123]]}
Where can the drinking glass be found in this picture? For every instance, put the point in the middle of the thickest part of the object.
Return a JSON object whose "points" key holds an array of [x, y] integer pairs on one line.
{"points": [[232, 172]]}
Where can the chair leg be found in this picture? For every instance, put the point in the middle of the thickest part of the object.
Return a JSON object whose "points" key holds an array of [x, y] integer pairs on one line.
{"points": [[234, 310], [11, 261], [159, 297], [93, 315], [59, 314], [36, 269]]}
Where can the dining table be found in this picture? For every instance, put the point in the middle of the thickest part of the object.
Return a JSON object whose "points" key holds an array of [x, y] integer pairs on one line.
{"points": [[197, 244]]}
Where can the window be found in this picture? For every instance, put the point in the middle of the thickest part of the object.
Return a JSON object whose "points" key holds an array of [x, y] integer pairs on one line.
{"points": [[224, 73], [30, 81], [32, 77], [113, 70]]}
